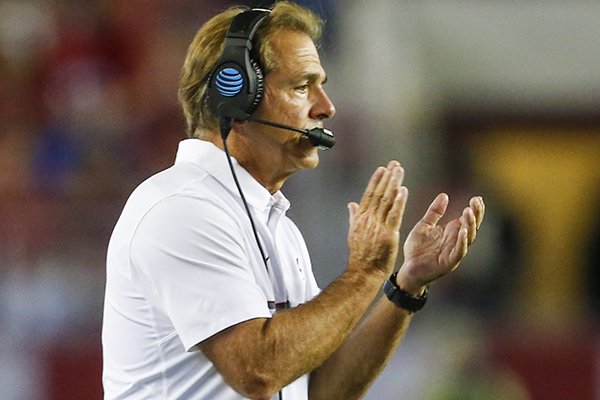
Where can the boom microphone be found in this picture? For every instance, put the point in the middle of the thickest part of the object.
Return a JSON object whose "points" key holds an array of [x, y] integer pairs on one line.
{"points": [[319, 137]]}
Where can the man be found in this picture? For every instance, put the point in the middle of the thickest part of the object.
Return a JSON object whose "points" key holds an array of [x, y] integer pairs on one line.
{"points": [[196, 289]]}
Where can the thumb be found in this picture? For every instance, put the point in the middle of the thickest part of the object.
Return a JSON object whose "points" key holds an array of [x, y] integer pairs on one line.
{"points": [[436, 210], [352, 210]]}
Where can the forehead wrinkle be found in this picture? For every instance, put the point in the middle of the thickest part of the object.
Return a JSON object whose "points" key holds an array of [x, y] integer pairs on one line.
{"points": [[301, 57], [279, 40], [303, 47], [309, 68], [314, 77]]}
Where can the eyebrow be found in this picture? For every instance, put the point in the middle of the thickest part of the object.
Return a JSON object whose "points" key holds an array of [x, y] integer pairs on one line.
{"points": [[313, 76]]}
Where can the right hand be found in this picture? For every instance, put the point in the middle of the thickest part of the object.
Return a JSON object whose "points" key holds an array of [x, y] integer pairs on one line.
{"points": [[374, 232]]}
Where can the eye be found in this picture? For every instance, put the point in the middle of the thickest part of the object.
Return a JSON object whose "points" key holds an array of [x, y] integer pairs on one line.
{"points": [[301, 88]]}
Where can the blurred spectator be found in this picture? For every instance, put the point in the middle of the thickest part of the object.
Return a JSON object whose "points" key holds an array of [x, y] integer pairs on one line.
{"points": [[88, 108]]}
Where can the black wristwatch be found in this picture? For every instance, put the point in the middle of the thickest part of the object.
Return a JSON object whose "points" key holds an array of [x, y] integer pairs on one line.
{"points": [[401, 298]]}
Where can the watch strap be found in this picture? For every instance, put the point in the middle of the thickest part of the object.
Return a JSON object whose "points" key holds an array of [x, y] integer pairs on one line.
{"points": [[401, 298]]}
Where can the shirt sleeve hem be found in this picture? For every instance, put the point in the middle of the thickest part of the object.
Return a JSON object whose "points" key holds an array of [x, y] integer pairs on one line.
{"points": [[229, 319]]}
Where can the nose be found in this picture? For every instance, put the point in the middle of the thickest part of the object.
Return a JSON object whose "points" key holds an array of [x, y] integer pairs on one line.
{"points": [[323, 107]]}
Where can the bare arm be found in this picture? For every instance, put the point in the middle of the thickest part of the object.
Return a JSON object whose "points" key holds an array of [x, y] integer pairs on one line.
{"points": [[348, 373], [430, 251], [260, 356]]}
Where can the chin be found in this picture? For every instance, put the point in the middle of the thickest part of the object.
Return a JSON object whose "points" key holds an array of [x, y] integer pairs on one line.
{"points": [[311, 159], [313, 164], [303, 155]]}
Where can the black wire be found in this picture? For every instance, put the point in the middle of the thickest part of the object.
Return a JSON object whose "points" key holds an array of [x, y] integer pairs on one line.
{"points": [[239, 188]]}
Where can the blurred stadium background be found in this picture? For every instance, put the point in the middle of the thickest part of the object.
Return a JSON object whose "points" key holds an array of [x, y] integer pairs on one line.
{"points": [[473, 97]]}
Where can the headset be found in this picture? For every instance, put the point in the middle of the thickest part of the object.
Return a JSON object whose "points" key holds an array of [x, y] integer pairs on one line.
{"points": [[236, 83], [237, 79]]}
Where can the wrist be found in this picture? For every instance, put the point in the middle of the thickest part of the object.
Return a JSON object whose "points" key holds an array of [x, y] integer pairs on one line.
{"points": [[359, 270], [408, 285], [362, 280], [401, 298]]}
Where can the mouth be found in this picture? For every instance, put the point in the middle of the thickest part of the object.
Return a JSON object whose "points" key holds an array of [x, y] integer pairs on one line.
{"points": [[304, 143]]}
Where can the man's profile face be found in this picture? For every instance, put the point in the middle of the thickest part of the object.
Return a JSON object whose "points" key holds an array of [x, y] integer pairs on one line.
{"points": [[294, 95]]}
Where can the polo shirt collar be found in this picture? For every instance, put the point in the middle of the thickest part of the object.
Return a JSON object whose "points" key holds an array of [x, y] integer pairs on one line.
{"points": [[212, 159]]}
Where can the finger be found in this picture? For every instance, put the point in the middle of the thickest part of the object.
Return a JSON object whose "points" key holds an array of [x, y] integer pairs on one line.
{"points": [[371, 191], [470, 223], [389, 173], [384, 193], [397, 172], [482, 213], [352, 210], [388, 199], [378, 195], [392, 164], [396, 214], [460, 249], [478, 207], [436, 210]]}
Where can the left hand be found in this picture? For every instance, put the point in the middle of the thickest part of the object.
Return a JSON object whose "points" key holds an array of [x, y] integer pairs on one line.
{"points": [[431, 250]]}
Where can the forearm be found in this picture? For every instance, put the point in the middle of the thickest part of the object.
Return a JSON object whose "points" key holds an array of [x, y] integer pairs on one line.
{"points": [[349, 372], [321, 325], [260, 356], [271, 353]]}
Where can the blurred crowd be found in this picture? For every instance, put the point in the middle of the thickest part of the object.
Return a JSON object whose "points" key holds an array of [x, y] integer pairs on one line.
{"points": [[88, 109], [88, 103]]}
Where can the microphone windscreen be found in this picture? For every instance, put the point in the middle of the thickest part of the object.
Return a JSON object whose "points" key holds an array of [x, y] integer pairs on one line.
{"points": [[321, 137]]}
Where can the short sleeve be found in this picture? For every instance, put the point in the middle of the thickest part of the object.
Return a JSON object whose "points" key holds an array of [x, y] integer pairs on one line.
{"points": [[190, 254]]}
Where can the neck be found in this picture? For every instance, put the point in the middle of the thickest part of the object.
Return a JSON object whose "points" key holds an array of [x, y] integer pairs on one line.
{"points": [[256, 162]]}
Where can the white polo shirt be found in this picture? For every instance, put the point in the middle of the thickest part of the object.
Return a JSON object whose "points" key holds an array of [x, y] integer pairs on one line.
{"points": [[183, 264]]}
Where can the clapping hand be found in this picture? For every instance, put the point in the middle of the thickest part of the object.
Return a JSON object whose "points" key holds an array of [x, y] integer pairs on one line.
{"points": [[432, 250]]}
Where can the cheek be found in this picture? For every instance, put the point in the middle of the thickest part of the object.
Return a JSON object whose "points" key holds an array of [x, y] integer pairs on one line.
{"points": [[282, 111], [280, 101], [269, 104]]}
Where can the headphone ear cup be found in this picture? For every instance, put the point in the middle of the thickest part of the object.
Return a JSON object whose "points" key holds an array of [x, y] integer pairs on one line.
{"points": [[260, 87], [226, 84], [237, 80]]}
